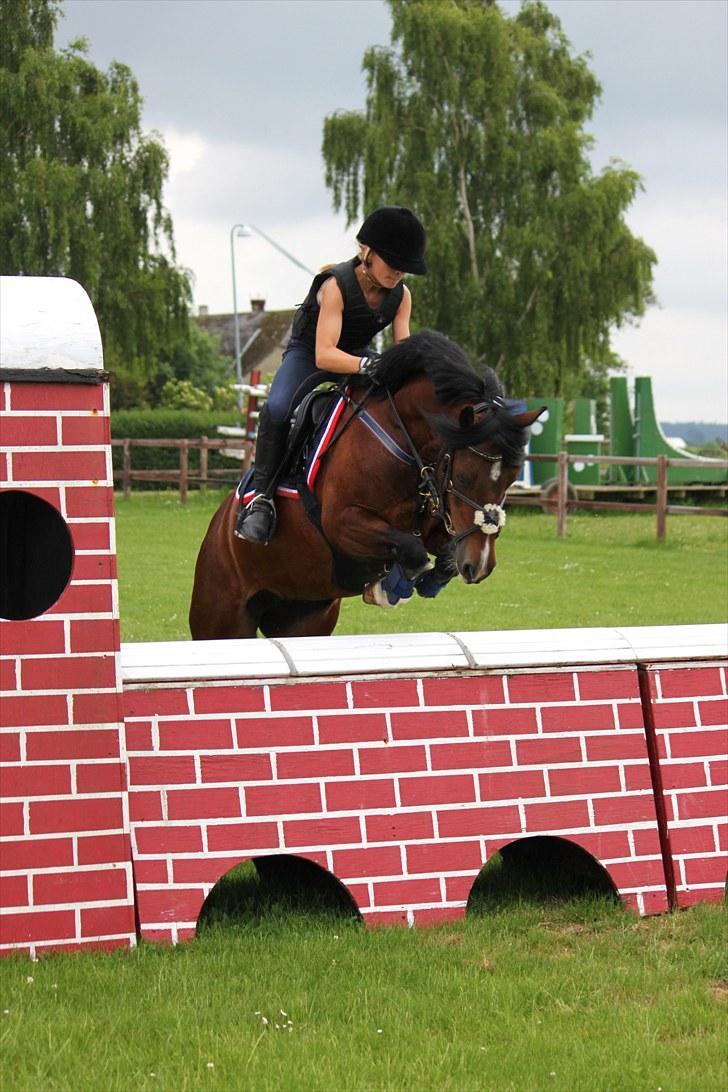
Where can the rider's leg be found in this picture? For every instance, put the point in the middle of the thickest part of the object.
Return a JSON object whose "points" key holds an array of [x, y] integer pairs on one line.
{"points": [[296, 375], [257, 522]]}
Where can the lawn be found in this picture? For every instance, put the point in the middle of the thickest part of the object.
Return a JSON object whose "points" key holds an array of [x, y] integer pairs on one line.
{"points": [[532, 992], [609, 571]]}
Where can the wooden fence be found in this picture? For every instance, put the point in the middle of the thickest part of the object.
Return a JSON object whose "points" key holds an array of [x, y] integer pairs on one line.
{"points": [[183, 476], [564, 497], [559, 498]]}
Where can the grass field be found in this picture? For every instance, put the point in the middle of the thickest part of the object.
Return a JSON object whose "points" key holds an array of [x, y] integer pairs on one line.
{"points": [[532, 992], [609, 571], [547, 985]]}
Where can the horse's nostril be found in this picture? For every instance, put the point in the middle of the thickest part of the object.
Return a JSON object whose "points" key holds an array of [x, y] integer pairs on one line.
{"points": [[468, 572]]}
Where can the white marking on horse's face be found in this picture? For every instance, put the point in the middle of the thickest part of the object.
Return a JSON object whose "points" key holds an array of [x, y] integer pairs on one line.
{"points": [[482, 561], [484, 558]]}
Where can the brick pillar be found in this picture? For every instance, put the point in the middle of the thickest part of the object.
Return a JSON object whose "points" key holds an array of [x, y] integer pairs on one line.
{"points": [[66, 875]]}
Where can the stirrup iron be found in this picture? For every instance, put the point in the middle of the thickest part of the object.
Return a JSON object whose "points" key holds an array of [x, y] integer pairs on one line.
{"points": [[261, 536]]}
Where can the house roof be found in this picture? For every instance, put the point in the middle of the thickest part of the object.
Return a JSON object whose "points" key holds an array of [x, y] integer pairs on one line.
{"points": [[263, 336]]}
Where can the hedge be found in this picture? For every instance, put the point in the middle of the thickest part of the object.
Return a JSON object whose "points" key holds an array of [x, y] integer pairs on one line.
{"points": [[158, 424]]}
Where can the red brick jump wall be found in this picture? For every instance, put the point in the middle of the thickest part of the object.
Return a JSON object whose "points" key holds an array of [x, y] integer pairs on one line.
{"points": [[65, 859], [402, 787], [402, 784], [689, 711]]}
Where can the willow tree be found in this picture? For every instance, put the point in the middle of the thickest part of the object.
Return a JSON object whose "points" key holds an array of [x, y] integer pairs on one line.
{"points": [[81, 189], [476, 120]]}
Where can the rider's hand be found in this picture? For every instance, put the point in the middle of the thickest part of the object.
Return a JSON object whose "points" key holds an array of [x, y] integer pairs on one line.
{"points": [[368, 365]]}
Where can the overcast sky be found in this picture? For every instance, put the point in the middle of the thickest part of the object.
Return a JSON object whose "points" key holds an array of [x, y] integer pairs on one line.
{"points": [[239, 90]]}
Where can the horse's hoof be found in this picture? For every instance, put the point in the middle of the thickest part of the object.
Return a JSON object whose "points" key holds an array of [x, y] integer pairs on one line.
{"points": [[368, 595], [374, 595]]}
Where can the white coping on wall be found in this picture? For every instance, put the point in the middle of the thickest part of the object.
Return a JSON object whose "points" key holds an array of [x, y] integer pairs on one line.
{"points": [[48, 322], [296, 657]]}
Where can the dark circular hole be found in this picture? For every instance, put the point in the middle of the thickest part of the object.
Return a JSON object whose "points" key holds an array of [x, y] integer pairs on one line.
{"points": [[539, 870], [273, 888], [36, 555]]}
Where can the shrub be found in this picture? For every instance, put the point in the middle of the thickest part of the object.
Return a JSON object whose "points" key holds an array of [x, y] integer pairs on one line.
{"points": [[174, 424], [182, 394]]}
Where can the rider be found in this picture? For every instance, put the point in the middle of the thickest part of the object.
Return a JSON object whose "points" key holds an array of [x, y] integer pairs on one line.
{"points": [[346, 306]]}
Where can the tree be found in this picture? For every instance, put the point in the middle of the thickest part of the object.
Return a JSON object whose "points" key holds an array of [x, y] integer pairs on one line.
{"points": [[193, 370], [475, 119], [81, 190]]}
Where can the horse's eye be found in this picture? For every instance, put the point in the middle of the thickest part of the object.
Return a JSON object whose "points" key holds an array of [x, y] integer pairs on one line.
{"points": [[463, 480]]}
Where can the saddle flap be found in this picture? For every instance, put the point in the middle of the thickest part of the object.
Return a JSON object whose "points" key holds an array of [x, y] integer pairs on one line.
{"points": [[308, 415]]}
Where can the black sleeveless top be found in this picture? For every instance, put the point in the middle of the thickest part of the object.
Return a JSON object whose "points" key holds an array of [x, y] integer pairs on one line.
{"points": [[359, 322]]}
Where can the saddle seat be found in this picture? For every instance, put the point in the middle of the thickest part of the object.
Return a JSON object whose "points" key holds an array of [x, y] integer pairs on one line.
{"points": [[312, 425]]}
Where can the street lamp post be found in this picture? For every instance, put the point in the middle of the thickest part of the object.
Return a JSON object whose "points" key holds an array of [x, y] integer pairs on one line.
{"points": [[248, 228], [244, 231], [240, 230]]}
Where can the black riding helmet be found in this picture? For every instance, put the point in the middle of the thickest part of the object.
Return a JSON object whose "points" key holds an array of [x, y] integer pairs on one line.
{"points": [[397, 236]]}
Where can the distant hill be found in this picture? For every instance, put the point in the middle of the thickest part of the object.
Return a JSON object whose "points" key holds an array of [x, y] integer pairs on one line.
{"points": [[696, 432]]}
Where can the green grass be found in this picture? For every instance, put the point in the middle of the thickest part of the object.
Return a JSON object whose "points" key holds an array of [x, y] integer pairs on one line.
{"points": [[528, 993], [608, 571]]}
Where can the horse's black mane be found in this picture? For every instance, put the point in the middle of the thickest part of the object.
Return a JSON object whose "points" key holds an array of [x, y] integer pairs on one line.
{"points": [[455, 381]]}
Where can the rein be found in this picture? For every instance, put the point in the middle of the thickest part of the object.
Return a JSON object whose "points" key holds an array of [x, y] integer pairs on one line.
{"points": [[488, 518]]}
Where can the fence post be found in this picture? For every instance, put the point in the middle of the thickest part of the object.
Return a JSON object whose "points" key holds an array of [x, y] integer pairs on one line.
{"points": [[204, 452], [661, 497], [184, 462], [126, 467], [562, 494]]}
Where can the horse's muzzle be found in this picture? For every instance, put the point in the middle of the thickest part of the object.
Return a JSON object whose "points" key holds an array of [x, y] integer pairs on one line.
{"points": [[475, 567]]}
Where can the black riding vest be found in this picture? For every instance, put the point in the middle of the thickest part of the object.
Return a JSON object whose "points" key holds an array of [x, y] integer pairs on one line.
{"points": [[359, 321]]}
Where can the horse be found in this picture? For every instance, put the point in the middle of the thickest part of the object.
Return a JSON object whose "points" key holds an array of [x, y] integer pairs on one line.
{"points": [[420, 462]]}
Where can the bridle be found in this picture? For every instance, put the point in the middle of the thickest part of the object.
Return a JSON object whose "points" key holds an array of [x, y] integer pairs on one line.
{"points": [[436, 484], [488, 518]]}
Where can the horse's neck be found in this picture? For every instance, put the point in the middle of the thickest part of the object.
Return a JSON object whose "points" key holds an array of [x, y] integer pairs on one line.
{"points": [[415, 402]]}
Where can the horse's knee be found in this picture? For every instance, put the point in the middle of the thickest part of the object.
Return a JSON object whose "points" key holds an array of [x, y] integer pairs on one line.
{"points": [[411, 555]]}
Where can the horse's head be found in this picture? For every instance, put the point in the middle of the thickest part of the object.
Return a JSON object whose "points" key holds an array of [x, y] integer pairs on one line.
{"points": [[485, 453], [480, 440]]}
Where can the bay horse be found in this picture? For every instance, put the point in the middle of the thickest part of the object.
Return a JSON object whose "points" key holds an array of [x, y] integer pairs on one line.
{"points": [[419, 465]]}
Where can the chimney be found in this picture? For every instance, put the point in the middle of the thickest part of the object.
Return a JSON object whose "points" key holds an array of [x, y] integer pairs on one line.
{"points": [[203, 310], [256, 306]]}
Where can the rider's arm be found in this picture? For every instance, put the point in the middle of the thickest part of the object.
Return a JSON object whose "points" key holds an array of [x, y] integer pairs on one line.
{"points": [[328, 329], [400, 325], [328, 332]]}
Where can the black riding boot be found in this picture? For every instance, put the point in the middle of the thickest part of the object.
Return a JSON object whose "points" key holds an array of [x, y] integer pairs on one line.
{"points": [[257, 522]]}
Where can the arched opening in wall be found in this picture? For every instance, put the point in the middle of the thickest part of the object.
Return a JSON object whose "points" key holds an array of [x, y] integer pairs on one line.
{"points": [[275, 889], [36, 555], [539, 871]]}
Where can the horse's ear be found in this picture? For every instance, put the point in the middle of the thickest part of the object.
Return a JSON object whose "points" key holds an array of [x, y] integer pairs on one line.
{"points": [[524, 420], [467, 417]]}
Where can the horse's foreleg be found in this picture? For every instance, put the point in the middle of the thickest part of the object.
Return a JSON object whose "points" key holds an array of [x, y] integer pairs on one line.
{"points": [[363, 533]]}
